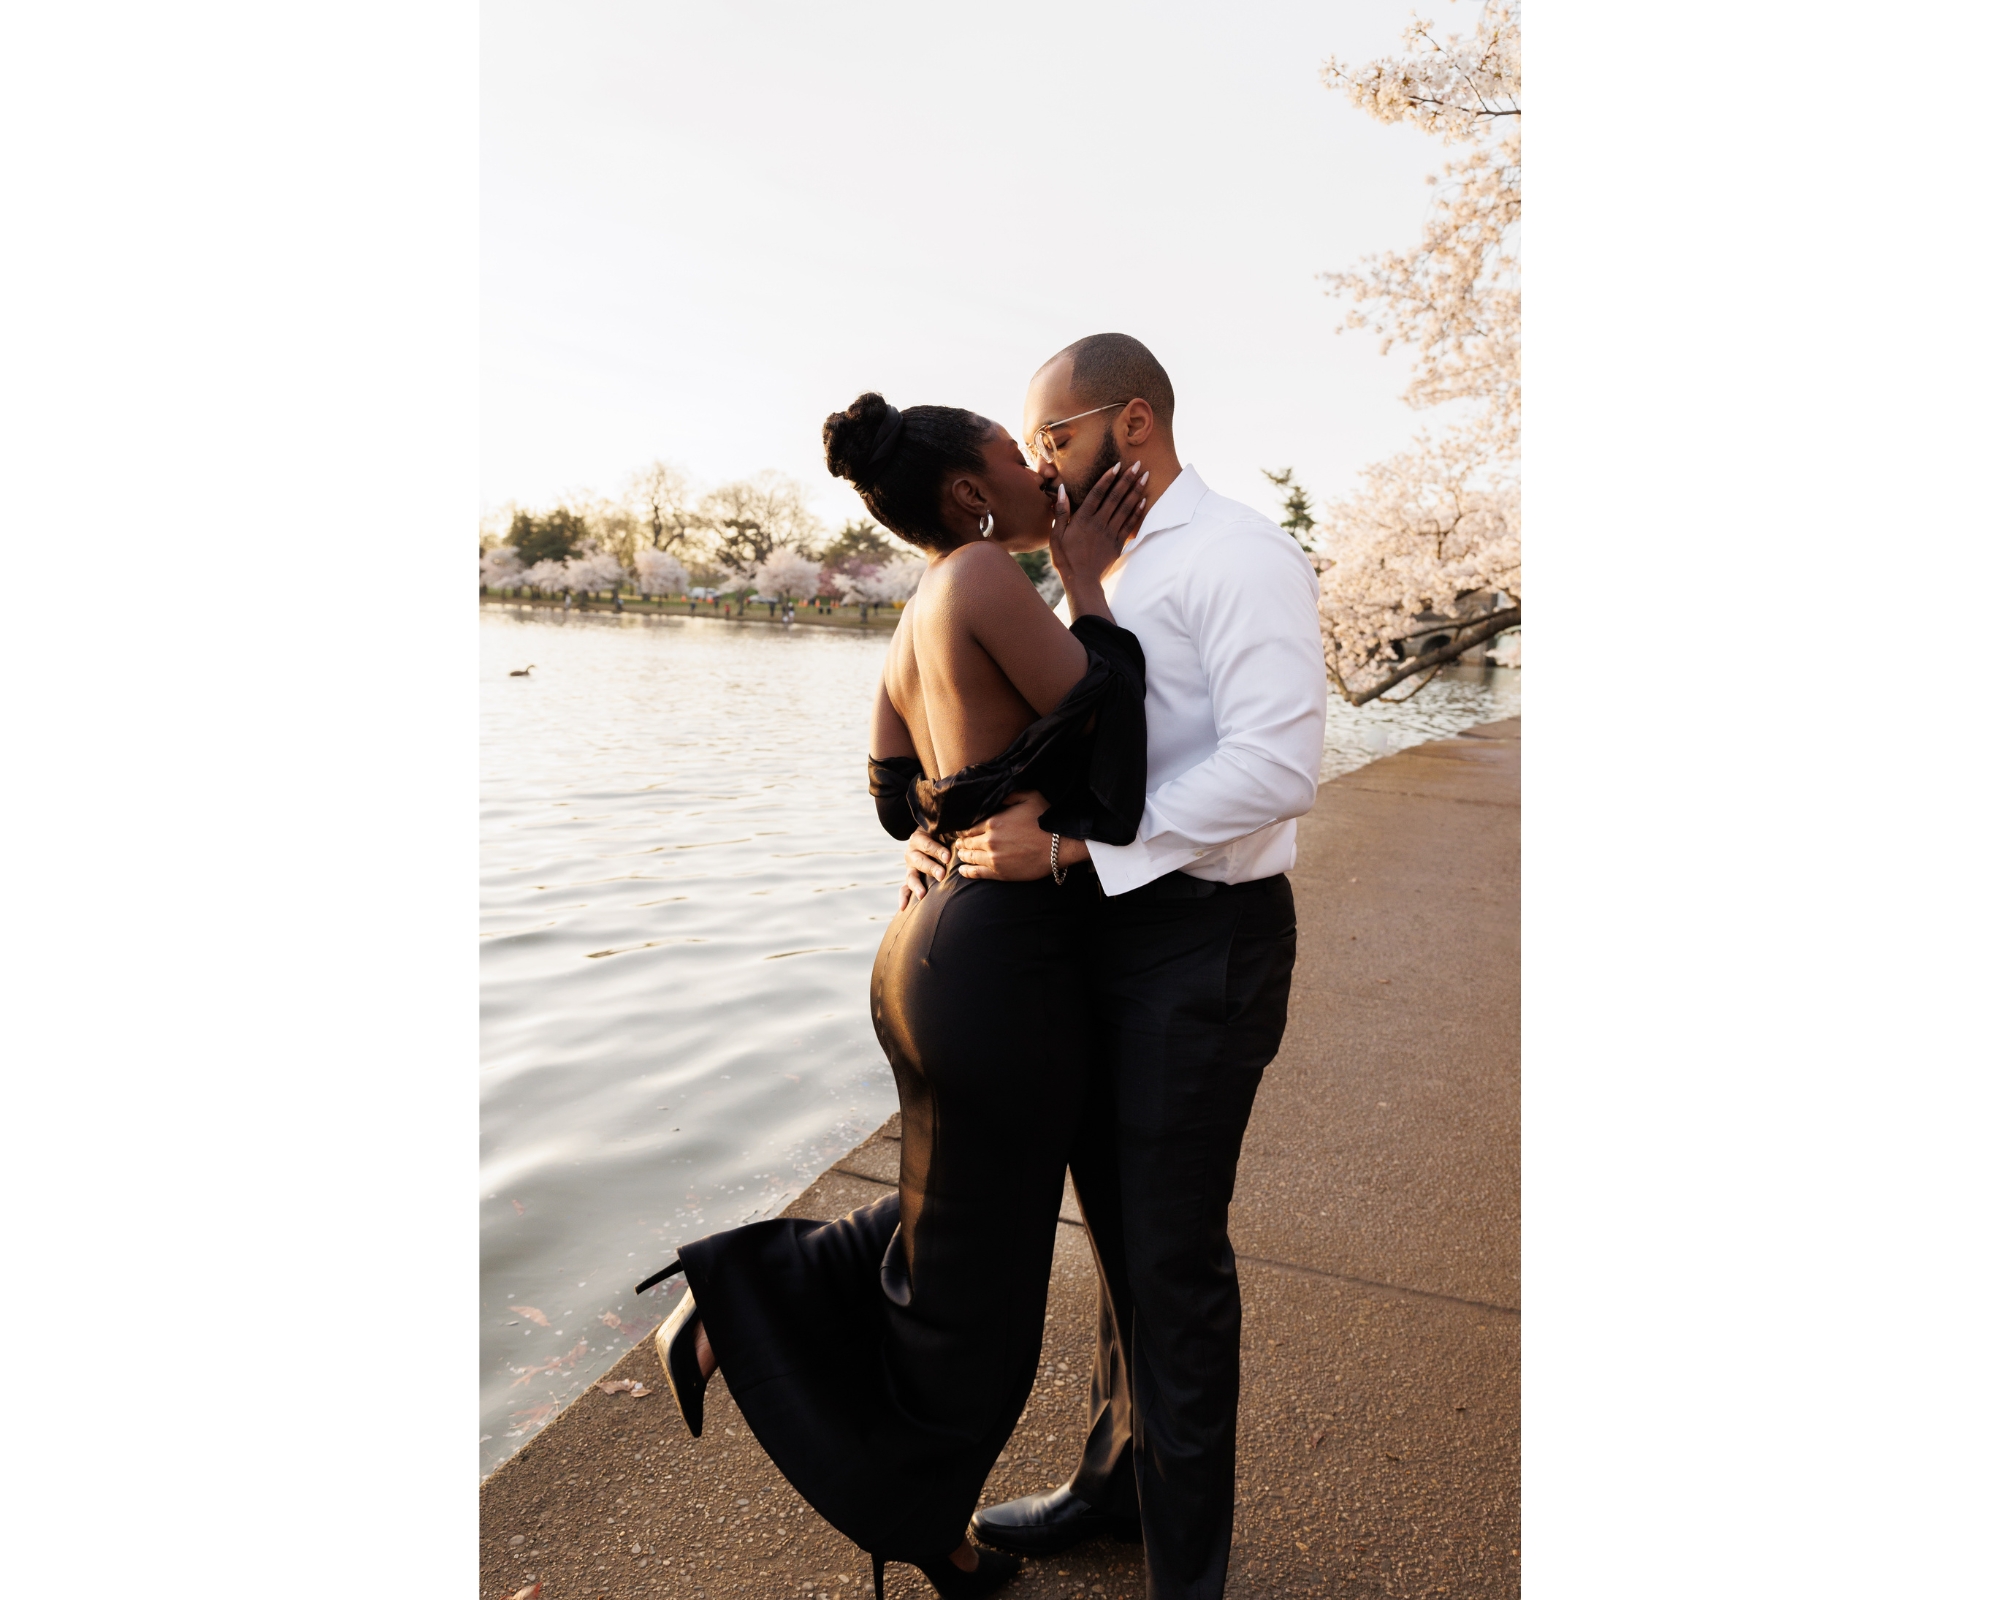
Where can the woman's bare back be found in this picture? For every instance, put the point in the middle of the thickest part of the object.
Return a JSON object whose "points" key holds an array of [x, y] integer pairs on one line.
{"points": [[977, 657]]}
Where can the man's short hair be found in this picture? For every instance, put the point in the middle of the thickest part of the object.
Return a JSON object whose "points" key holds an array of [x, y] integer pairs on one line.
{"points": [[1110, 368]]}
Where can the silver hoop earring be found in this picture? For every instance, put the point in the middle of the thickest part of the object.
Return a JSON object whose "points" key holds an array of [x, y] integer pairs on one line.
{"points": [[986, 526]]}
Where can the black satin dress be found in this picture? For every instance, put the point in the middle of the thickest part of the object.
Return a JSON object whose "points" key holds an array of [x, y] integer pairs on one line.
{"points": [[883, 1359]]}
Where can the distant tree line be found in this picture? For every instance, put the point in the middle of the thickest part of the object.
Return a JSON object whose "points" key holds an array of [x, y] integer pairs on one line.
{"points": [[752, 538]]}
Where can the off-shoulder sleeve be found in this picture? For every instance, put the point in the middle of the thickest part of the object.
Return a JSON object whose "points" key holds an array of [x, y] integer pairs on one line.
{"points": [[1109, 796], [889, 781]]}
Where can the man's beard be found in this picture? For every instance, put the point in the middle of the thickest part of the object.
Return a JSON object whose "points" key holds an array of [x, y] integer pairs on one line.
{"points": [[1107, 458]]}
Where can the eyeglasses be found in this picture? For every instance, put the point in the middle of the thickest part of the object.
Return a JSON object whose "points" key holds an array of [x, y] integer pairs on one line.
{"points": [[1042, 444]]}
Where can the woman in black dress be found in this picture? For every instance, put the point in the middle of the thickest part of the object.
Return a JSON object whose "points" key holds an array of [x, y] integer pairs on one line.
{"points": [[883, 1359]]}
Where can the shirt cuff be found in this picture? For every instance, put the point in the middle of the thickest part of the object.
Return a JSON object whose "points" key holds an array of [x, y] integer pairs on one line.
{"points": [[1122, 868]]}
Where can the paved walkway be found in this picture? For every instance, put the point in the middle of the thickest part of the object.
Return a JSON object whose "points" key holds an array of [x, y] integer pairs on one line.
{"points": [[1377, 1225]]}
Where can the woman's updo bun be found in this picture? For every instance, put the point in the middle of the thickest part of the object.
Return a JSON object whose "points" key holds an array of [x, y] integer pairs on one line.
{"points": [[852, 435], [898, 461]]}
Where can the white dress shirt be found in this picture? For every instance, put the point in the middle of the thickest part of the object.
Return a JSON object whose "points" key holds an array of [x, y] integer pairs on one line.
{"points": [[1226, 606]]}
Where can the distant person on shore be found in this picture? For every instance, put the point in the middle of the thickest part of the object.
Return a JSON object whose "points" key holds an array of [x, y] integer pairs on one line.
{"points": [[1190, 960], [884, 1359]]}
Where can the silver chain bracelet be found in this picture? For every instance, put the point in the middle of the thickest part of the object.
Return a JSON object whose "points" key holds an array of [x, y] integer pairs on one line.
{"points": [[1056, 871]]}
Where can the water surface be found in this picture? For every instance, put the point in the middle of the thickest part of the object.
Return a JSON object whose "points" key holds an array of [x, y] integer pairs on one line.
{"points": [[683, 883], [1458, 697], [682, 886]]}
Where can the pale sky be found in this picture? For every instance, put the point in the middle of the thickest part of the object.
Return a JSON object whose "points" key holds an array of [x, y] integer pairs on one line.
{"points": [[704, 227]]}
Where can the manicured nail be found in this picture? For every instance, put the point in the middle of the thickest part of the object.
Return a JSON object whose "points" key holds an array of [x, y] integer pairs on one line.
{"points": [[1148, 478]]}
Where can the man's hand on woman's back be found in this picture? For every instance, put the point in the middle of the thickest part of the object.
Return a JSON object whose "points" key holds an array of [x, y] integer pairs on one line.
{"points": [[1012, 846]]}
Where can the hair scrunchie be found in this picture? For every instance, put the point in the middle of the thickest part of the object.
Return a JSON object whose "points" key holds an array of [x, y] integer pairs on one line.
{"points": [[885, 441]]}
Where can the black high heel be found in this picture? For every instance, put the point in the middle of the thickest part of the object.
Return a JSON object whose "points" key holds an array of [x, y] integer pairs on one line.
{"points": [[676, 1341], [954, 1582], [661, 1276]]}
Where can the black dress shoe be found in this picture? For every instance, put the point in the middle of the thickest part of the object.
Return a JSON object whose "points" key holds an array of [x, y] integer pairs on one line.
{"points": [[954, 1582], [1043, 1524], [675, 1342]]}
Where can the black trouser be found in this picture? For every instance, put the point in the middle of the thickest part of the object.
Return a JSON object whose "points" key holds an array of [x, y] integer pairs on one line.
{"points": [[1190, 983]]}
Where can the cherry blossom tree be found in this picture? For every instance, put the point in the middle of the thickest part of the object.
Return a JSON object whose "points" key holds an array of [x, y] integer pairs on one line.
{"points": [[657, 572], [592, 572], [547, 577], [898, 579], [848, 582], [786, 575], [1426, 566], [499, 568], [893, 580], [858, 549], [1429, 548]]}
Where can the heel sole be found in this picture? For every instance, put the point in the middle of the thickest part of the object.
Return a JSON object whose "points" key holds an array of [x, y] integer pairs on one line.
{"points": [[688, 1403]]}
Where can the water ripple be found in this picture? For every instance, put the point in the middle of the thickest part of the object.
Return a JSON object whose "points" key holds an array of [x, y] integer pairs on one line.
{"points": [[725, 1056], [701, 1078]]}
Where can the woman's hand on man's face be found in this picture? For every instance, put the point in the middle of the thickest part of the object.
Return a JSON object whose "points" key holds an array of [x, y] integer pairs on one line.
{"points": [[1087, 540]]}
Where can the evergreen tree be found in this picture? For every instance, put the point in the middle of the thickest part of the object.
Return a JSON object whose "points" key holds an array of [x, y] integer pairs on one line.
{"points": [[1035, 563], [860, 541], [1298, 518], [556, 537]]}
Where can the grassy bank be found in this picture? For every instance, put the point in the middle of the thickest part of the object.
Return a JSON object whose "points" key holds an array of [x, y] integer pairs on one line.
{"points": [[880, 619]]}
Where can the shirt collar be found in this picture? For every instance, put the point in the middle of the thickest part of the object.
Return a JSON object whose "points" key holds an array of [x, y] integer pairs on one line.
{"points": [[1173, 508]]}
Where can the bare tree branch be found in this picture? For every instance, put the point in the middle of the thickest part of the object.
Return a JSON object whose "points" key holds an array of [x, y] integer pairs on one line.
{"points": [[1447, 625], [1488, 627]]}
